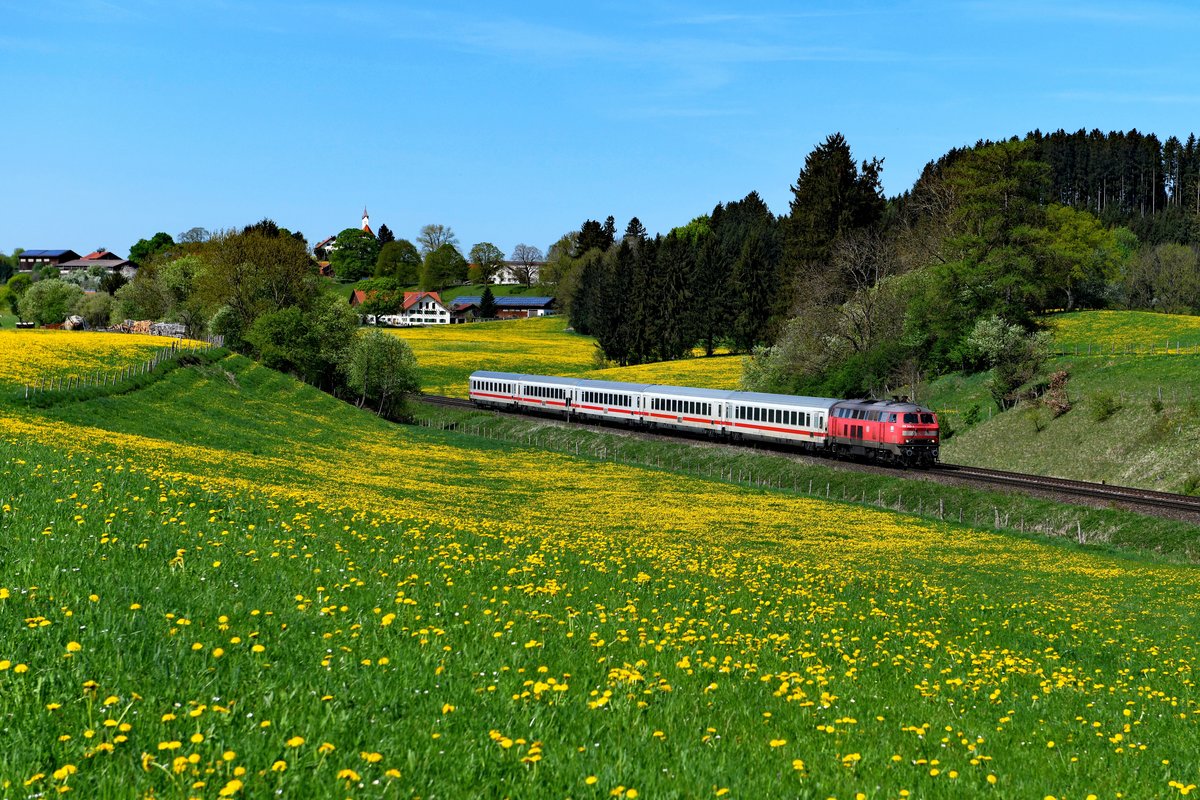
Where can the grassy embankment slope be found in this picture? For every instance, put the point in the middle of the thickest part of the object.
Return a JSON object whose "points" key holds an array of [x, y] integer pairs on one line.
{"points": [[1136, 414], [230, 584]]}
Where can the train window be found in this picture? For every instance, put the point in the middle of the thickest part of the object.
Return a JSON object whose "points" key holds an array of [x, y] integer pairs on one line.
{"points": [[927, 419], [909, 419], [758, 415]]}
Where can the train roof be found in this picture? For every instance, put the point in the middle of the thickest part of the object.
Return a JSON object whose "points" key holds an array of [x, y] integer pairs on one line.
{"points": [[611, 386], [882, 405], [786, 399], [690, 391], [553, 380], [794, 401]]}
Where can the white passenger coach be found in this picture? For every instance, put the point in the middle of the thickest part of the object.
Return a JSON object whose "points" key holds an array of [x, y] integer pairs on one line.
{"points": [[737, 415]]}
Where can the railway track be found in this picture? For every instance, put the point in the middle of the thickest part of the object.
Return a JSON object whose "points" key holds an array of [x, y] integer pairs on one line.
{"points": [[1099, 495], [1119, 495]]}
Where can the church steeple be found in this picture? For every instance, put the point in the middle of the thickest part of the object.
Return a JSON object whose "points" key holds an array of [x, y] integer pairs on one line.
{"points": [[366, 225]]}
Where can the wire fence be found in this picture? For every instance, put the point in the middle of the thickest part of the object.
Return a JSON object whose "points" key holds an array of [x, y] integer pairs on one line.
{"points": [[116, 377], [1166, 347]]}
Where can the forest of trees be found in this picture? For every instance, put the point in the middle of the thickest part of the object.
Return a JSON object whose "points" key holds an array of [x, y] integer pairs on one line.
{"points": [[851, 293]]}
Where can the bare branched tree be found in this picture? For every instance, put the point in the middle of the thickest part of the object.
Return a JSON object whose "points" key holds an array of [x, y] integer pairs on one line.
{"points": [[526, 260], [433, 236]]}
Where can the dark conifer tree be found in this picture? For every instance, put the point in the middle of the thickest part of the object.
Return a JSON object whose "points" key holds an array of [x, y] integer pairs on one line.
{"points": [[635, 231], [487, 303], [709, 300], [591, 237], [608, 233], [385, 235], [674, 330], [830, 198], [588, 294], [754, 274]]}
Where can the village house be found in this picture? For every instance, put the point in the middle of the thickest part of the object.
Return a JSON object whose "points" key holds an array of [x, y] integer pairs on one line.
{"points": [[419, 308]]}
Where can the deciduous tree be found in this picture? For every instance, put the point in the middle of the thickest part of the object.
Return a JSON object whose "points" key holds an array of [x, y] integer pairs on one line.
{"points": [[145, 249], [488, 258], [380, 369], [49, 301], [400, 261], [526, 259], [355, 255], [433, 236], [443, 267]]}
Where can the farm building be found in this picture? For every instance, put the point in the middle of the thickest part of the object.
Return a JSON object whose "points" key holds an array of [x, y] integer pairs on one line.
{"points": [[110, 262], [510, 307], [30, 260]]}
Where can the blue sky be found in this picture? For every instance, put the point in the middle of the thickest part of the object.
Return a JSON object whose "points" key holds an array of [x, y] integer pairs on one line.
{"points": [[515, 122]]}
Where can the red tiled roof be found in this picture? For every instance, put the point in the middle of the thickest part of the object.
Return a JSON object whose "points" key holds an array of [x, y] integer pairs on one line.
{"points": [[411, 298]]}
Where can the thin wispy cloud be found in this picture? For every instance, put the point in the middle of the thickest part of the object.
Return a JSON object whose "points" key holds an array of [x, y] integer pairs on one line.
{"points": [[1141, 14]]}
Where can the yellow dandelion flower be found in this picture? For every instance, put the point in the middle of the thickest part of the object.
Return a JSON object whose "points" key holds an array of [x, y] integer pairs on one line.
{"points": [[231, 788]]}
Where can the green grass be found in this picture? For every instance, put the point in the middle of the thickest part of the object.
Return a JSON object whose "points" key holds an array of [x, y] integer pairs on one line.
{"points": [[408, 594], [343, 289], [1150, 439]]}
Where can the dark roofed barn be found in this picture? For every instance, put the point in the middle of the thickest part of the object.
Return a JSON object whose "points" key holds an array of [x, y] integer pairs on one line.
{"points": [[510, 307], [30, 260]]}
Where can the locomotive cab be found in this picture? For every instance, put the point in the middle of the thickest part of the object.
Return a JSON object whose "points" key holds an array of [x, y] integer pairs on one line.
{"points": [[881, 430], [919, 436]]}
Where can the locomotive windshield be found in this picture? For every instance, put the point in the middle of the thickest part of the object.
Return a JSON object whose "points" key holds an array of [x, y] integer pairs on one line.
{"points": [[927, 419], [910, 418]]}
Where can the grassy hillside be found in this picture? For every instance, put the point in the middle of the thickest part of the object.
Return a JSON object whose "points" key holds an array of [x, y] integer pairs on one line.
{"points": [[1109, 332], [230, 584], [1135, 418], [27, 356]]}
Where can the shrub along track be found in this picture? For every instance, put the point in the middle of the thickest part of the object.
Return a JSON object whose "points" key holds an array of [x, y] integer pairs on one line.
{"points": [[1097, 495]]}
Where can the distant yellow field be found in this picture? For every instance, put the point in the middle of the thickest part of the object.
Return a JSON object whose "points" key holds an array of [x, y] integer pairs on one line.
{"points": [[718, 372], [28, 356], [448, 354], [1104, 331]]}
